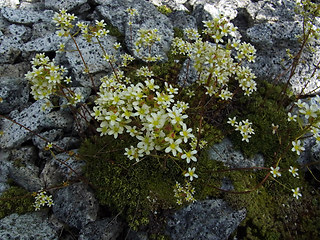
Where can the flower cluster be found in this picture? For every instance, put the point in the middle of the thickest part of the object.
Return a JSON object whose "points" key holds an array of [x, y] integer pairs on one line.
{"points": [[144, 112], [145, 40], [214, 62], [45, 77], [310, 112], [63, 21], [42, 199], [184, 193], [244, 127]]}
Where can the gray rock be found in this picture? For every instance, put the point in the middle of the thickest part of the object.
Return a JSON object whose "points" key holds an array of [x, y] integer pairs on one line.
{"points": [[106, 229], [62, 167], [9, 3], [17, 70], [22, 168], [50, 136], [209, 219], [175, 5], [68, 143], [82, 119], [224, 152], [26, 227], [93, 56], [23, 32], [63, 4], [182, 20], [137, 236], [315, 154], [14, 93], [4, 170], [188, 74], [275, 34], [48, 43], [25, 16], [115, 12], [262, 11], [42, 29], [58, 119], [31, 118], [75, 205], [9, 49]]}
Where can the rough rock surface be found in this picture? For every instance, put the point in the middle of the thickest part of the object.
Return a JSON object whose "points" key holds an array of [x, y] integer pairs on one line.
{"points": [[30, 118], [225, 153], [75, 205], [209, 219], [26, 227], [62, 167], [106, 229], [14, 93]]}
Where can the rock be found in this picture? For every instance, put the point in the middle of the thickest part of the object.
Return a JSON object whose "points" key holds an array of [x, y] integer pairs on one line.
{"points": [[61, 168], [224, 152], [82, 119], [262, 11], [14, 93], [106, 229], [25, 16], [22, 168], [63, 4], [30, 118], [42, 29], [9, 49], [268, 34], [315, 154], [43, 44], [17, 70], [75, 205], [50, 136], [93, 56], [26, 227], [188, 74], [68, 143], [23, 32], [209, 219], [137, 235], [182, 20], [175, 5], [4, 170], [115, 12], [58, 119], [9, 3]]}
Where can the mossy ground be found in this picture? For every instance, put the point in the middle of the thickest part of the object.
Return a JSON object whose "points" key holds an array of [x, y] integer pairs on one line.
{"points": [[15, 200]]}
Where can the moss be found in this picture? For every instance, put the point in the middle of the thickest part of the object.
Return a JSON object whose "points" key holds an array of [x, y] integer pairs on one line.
{"points": [[135, 190], [15, 200], [263, 110]]}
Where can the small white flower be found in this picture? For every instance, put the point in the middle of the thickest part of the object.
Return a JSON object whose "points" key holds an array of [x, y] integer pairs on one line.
{"points": [[191, 173], [297, 147], [275, 172], [296, 193], [294, 171]]}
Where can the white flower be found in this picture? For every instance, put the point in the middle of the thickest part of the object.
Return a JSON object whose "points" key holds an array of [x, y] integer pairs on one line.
{"points": [[294, 171], [275, 172], [232, 121], [297, 147], [292, 117], [186, 133], [296, 193], [191, 173], [190, 156], [174, 147]]}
